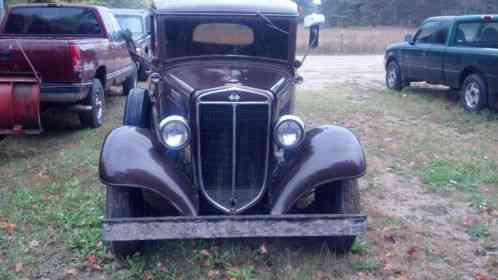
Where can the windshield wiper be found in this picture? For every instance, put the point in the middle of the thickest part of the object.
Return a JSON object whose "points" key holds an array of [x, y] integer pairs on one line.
{"points": [[270, 24]]}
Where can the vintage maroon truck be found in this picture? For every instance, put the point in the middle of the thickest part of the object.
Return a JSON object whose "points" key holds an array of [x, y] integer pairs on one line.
{"points": [[64, 56]]}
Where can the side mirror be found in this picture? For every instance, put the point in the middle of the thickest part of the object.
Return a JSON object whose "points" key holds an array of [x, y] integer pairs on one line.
{"points": [[409, 39], [313, 22]]}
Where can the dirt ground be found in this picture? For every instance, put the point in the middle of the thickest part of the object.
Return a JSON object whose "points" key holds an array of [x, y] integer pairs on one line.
{"points": [[431, 193]]}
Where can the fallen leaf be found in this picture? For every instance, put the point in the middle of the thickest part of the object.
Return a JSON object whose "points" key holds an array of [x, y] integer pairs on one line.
{"points": [[213, 273], [263, 250], [34, 244], [92, 259], [479, 276], [205, 263], [71, 272], [412, 252], [148, 276], [92, 263], [19, 267], [205, 253], [8, 228], [96, 267]]}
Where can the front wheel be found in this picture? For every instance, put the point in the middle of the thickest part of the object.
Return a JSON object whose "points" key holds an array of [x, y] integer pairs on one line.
{"points": [[96, 100], [474, 94], [137, 108], [393, 76], [341, 197], [124, 202], [130, 83]]}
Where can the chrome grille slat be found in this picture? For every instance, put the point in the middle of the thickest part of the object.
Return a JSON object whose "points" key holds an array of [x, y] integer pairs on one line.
{"points": [[245, 156]]}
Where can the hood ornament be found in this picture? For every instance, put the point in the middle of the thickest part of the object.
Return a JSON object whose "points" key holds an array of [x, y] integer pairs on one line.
{"points": [[234, 97]]}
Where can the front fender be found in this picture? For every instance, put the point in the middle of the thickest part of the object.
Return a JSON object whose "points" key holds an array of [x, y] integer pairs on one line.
{"points": [[130, 158], [328, 154]]}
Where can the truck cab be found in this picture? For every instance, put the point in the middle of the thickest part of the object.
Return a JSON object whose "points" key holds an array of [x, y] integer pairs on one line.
{"points": [[460, 52]]}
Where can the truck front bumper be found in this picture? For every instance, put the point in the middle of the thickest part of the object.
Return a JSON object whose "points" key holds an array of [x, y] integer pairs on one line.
{"points": [[64, 93], [211, 227]]}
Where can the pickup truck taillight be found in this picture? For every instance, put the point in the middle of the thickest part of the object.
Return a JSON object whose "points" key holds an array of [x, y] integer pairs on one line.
{"points": [[76, 58]]}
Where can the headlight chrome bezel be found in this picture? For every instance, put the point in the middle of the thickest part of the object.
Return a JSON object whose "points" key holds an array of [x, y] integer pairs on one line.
{"points": [[289, 118], [174, 119]]}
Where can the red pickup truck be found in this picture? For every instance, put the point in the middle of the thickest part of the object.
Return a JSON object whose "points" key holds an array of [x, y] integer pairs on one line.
{"points": [[77, 52]]}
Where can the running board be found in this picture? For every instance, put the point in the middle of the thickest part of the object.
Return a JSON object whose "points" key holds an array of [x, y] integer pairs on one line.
{"points": [[211, 227]]}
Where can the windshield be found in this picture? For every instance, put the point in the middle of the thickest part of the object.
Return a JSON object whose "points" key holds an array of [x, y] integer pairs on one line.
{"points": [[52, 21], [132, 23], [226, 36], [477, 34]]}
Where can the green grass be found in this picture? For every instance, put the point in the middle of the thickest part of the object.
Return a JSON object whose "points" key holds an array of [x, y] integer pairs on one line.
{"points": [[466, 177], [478, 231], [54, 197], [366, 265]]}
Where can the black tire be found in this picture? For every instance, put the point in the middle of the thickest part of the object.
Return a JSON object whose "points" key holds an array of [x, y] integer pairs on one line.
{"points": [[130, 83], [341, 197], [95, 99], [137, 109], [124, 202], [2, 137], [394, 81], [142, 73], [474, 93]]}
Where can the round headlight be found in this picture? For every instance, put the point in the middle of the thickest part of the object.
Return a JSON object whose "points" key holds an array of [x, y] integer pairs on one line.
{"points": [[175, 132], [289, 131]]}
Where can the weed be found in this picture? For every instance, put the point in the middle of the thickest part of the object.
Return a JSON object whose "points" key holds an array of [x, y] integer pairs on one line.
{"points": [[366, 265], [359, 247], [478, 231], [393, 222]]}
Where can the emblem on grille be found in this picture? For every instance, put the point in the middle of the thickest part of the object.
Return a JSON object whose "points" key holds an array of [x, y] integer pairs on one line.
{"points": [[234, 97]]}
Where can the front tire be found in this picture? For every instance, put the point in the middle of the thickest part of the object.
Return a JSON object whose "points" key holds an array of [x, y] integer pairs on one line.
{"points": [[341, 197], [394, 80], [124, 202], [96, 100], [130, 83], [137, 109], [474, 94]]}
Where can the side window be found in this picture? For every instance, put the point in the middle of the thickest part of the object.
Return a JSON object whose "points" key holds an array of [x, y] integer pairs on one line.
{"points": [[427, 33], [107, 23], [467, 33], [116, 27], [442, 33]]}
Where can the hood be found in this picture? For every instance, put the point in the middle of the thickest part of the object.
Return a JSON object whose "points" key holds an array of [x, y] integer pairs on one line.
{"points": [[396, 46], [205, 76]]}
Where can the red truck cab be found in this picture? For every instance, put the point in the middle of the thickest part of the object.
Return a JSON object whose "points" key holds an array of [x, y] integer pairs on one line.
{"points": [[77, 51]]}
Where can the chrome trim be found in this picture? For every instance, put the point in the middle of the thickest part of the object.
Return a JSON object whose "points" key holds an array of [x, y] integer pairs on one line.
{"points": [[264, 187], [170, 119], [234, 152], [287, 118], [181, 82], [278, 85]]}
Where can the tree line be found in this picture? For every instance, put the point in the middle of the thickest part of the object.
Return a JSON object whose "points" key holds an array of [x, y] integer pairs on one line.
{"points": [[351, 12], [396, 12]]}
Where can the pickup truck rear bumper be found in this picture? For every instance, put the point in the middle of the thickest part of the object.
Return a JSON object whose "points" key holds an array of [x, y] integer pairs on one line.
{"points": [[64, 93]]}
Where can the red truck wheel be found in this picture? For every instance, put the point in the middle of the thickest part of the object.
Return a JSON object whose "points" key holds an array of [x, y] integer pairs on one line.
{"points": [[95, 99]]}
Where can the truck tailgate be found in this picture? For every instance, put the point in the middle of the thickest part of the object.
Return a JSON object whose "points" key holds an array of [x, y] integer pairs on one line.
{"points": [[50, 57]]}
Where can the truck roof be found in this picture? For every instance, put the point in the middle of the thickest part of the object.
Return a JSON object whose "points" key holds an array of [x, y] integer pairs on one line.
{"points": [[242, 7], [56, 5], [462, 18], [139, 12]]}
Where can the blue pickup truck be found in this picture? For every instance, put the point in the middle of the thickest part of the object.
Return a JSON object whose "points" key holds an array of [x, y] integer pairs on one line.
{"points": [[459, 51]]}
